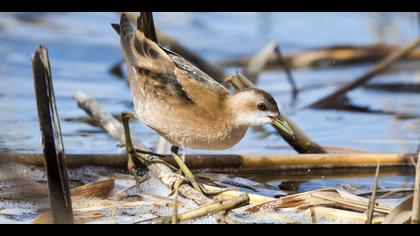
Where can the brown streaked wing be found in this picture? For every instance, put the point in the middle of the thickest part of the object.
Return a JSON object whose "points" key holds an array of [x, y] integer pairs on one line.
{"points": [[164, 87], [156, 71], [200, 87], [150, 56]]}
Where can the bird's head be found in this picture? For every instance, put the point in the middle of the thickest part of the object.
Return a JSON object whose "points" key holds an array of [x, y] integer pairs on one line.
{"points": [[255, 107]]}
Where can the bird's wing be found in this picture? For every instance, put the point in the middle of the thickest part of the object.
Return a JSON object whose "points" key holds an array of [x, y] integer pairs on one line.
{"points": [[203, 89], [170, 75]]}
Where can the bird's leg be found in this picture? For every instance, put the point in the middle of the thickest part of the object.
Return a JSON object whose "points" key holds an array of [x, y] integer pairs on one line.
{"points": [[132, 168], [134, 152], [149, 153], [203, 189], [142, 151], [188, 174], [126, 116], [189, 177], [184, 155]]}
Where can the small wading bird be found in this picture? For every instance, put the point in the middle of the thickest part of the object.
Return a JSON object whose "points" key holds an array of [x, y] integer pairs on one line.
{"points": [[185, 105]]}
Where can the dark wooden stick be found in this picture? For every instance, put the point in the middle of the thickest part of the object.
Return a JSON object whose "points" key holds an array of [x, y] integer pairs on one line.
{"points": [[52, 143], [395, 87], [337, 98], [416, 196]]}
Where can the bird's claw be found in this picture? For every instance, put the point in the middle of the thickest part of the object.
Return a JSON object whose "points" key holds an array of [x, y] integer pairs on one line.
{"points": [[175, 186]]}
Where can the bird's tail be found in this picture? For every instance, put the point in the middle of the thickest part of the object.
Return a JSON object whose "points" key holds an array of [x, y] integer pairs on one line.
{"points": [[146, 25], [139, 50], [126, 33]]}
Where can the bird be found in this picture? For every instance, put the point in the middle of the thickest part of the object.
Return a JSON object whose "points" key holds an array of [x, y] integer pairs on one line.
{"points": [[185, 105]]}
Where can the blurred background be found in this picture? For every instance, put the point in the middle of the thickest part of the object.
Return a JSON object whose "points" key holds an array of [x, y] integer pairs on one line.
{"points": [[83, 48], [85, 54]]}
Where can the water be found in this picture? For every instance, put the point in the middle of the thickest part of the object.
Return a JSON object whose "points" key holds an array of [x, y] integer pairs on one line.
{"points": [[83, 47]]}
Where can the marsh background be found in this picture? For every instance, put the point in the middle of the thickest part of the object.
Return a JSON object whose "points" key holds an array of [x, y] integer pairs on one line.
{"points": [[83, 47]]}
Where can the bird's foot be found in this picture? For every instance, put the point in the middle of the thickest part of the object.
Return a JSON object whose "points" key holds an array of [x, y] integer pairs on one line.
{"points": [[175, 185], [185, 170], [139, 179], [149, 153], [207, 192]]}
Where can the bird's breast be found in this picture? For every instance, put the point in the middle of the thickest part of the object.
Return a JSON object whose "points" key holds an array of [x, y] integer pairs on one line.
{"points": [[216, 139], [189, 127]]}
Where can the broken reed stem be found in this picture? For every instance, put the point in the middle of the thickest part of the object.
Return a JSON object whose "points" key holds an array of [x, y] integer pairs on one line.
{"points": [[52, 142], [239, 82], [206, 209], [402, 213], [372, 200], [336, 98], [116, 130], [353, 205], [231, 161], [99, 189], [302, 143], [214, 207], [327, 57], [258, 62], [175, 202], [416, 195]]}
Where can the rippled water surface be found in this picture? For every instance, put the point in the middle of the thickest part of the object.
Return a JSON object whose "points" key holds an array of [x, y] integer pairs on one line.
{"points": [[83, 47]]}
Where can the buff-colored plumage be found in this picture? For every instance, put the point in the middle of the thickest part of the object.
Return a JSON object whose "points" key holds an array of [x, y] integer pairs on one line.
{"points": [[182, 103]]}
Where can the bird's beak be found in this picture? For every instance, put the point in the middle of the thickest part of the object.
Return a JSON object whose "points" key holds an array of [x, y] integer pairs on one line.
{"points": [[283, 125]]}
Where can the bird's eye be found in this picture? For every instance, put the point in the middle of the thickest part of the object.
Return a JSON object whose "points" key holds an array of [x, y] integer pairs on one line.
{"points": [[261, 107]]}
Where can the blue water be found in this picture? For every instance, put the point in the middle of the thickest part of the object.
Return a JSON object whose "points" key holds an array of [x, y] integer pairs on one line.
{"points": [[83, 47]]}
